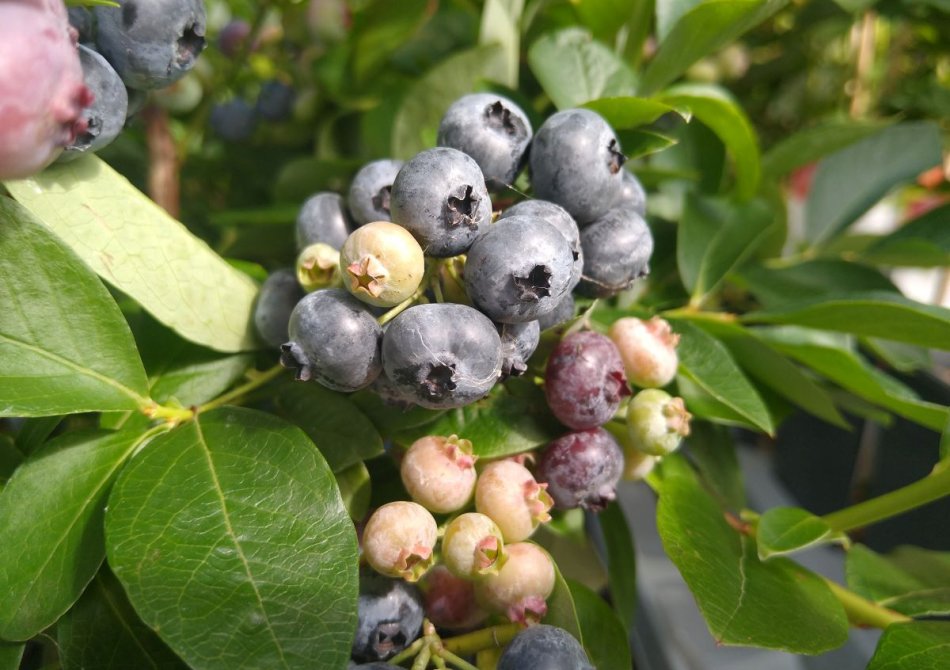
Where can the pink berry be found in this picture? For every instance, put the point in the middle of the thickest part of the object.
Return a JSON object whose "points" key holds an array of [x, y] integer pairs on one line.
{"points": [[648, 350], [450, 600], [584, 381], [42, 95], [522, 586], [439, 472], [508, 493], [472, 546], [398, 540], [582, 469]]}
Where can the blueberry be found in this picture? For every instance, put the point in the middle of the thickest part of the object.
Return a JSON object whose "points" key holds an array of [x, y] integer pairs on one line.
{"points": [[442, 355], [390, 617], [279, 294], [105, 118], [233, 121], [582, 469], [275, 102], [232, 37], [562, 313], [633, 195], [518, 269], [370, 191], [518, 342], [322, 218], [334, 339], [83, 20], [440, 197], [151, 44], [491, 129], [576, 162], [617, 250], [544, 647], [558, 217]]}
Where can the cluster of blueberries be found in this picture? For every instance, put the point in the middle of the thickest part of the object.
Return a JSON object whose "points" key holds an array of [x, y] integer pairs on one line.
{"points": [[125, 52], [413, 287]]}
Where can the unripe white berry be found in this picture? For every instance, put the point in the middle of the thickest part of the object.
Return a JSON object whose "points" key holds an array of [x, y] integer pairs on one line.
{"points": [[398, 540], [508, 493], [439, 472], [648, 350], [657, 422], [472, 546], [522, 586]]}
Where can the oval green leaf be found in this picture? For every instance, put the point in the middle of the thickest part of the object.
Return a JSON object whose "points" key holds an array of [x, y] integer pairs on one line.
{"points": [[911, 580], [775, 286], [785, 530], [605, 638], [137, 247], [64, 345], [629, 112], [51, 514], [913, 646], [777, 605], [924, 242], [621, 562], [231, 540], [814, 143]]}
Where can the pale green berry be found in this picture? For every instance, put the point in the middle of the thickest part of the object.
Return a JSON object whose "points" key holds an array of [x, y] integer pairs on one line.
{"points": [[472, 546], [521, 587], [508, 493], [439, 472], [318, 266], [657, 422], [398, 540], [381, 264]]}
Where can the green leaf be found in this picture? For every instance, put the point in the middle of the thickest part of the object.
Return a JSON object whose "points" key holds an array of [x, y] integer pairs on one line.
{"points": [[912, 581], [705, 361], [629, 112], [712, 450], [621, 562], [355, 489], [945, 441], [718, 110], [902, 357], [714, 237], [102, 631], [704, 406], [924, 242], [11, 653], [390, 419], [379, 30], [231, 540], [811, 144], [918, 645], [51, 513], [501, 20], [828, 357], [417, 122], [64, 346], [502, 424], [573, 68], [873, 313], [137, 247], [785, 530], [668, 12], [603, 17], [700, 31], [605, 638], [34, 432], [639, 143], [562, 612], [850, 181], [776, 605], [814, 278], [340, 430], [10, 458]]}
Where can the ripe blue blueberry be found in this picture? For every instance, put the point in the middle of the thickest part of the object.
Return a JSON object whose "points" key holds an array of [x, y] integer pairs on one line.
{"points": [[322, 218], [370, 191], [617, 250], [275, 102], [440, 197], [562, 313], [105, 118], [576, 162], [558, 217], [633, 195], [518, 269], [151, 44], [279, 294], [233, 121], [518, 342], [334, 339], [442, 355], [390, 617], [581, 469], [544, 647], [491, 129]]}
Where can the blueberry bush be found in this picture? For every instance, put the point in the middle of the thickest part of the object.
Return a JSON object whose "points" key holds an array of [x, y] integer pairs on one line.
{"points": [[329, 330]]}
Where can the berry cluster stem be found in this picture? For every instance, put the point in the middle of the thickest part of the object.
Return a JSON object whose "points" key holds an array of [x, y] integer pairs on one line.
{"points": [[398, 309], [431, 648], [863, 612]]}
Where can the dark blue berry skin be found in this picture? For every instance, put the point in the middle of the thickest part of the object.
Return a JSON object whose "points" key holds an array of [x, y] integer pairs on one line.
{"points": [[558, 217], [82, 19], [390, 617], [442, 355], [440, 197], [491, 129], [544, 647], [576, 163], [562, 313], [370, 191], [151, 43], [633, 195], [581, 469], [518, 342], [322, 218], [334, 340], [106, 116], [279, 294], [518, 270], [617, 250], [275, 102], [233, 121]]}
